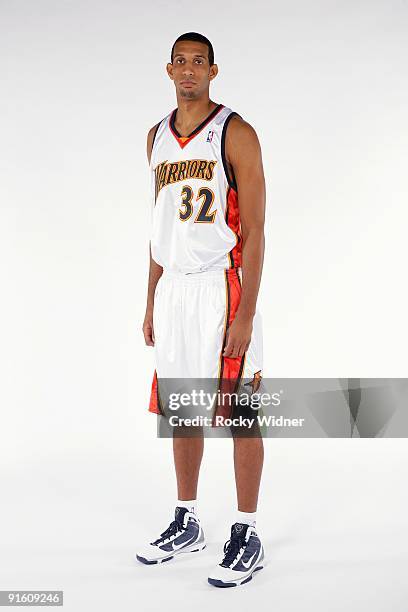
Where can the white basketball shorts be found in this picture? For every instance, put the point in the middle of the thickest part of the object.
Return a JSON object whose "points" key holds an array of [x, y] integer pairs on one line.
{"points": [[191, 318]]}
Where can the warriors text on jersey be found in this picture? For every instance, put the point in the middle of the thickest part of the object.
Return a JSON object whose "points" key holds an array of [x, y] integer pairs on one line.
{"points": [[196, 224]]}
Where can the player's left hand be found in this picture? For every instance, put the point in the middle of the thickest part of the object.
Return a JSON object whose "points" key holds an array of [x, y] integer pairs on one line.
{"points": [[238, 338]]}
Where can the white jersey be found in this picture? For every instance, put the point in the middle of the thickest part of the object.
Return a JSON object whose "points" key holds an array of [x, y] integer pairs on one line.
{"points": [[196, 223]]}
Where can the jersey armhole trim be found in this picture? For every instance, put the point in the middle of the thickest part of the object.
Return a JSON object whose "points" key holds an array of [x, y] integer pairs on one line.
{"points": [[155, 132], [154, 138], [230, 179]]}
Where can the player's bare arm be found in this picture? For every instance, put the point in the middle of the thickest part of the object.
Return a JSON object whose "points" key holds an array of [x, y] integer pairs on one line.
{"points": [[244, 158], [155, 271]]}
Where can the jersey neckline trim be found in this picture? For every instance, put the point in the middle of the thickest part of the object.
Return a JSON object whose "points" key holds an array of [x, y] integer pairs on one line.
{"points": [[184, 140]]}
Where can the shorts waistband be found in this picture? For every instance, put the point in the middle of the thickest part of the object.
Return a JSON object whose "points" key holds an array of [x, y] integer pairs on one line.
{"points": [[204, 275]]}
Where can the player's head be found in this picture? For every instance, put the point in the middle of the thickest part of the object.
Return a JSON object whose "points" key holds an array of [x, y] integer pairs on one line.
{"points": [[195, 37], [192, 65]]}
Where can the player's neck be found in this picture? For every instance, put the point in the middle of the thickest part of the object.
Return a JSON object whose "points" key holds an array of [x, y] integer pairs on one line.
{"points": [[191, 113]]}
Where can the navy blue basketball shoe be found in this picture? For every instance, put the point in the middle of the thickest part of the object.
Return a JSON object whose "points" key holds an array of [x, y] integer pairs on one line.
{"points": [[243, 556], [183, 535]]}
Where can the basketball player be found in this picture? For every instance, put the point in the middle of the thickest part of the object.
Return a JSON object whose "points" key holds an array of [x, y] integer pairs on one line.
{"points": [[206, 256]]}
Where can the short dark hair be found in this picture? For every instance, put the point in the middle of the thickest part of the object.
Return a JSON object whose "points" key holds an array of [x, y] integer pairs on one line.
{"points": [[197, 38]]}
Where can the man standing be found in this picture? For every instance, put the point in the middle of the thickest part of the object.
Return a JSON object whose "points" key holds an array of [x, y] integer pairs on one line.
{"points": [[206, 259]]}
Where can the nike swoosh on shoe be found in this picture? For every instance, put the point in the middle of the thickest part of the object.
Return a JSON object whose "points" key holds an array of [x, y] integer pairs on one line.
{"points": [[248, 563], [178, 546]]}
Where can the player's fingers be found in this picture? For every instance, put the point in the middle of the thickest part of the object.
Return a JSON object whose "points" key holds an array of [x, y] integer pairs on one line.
{"points": [[234, 351], [227, 351], [147, 332], [227, 345], [229, 348], [241, 350]]}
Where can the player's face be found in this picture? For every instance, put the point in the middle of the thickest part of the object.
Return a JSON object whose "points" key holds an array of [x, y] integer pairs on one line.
{"points": [[191, 70]]}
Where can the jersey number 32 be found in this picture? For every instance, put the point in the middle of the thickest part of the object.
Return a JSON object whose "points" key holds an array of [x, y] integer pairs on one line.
{"points": [[203, 215]]}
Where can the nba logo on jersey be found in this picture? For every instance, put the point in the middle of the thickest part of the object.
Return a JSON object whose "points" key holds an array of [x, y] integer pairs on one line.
{"points": [[210, 136]]}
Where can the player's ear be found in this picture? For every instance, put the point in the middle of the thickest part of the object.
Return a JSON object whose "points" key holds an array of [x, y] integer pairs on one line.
{"points": [[169, 69], [213, 71]]}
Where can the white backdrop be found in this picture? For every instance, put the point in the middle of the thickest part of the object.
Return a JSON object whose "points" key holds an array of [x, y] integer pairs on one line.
{"points": [[84, 478]]}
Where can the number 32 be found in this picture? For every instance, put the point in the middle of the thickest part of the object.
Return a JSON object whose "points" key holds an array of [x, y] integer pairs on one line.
{"points": [[204, 215]]}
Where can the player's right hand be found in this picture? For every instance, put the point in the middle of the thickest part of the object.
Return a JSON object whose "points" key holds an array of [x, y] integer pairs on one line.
{"points": [[147, 328]]}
